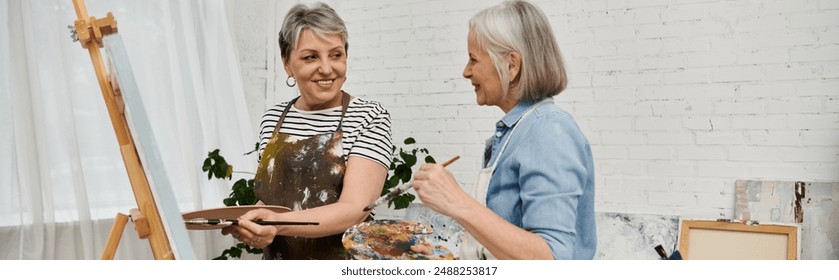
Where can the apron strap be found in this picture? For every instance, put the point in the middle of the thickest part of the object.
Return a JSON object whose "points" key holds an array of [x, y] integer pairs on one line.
{"points": [[282, 116], [510, 136], [346, 100], [345, 104]]}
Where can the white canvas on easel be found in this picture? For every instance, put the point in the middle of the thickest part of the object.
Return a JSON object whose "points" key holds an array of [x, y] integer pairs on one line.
{"points": [[138, 121]]}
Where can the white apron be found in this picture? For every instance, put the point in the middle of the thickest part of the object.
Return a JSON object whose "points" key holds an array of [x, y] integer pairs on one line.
{"points": [[470, 248]]}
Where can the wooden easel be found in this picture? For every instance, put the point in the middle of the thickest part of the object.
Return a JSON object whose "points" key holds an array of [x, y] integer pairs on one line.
{"points": [[147, 218]]}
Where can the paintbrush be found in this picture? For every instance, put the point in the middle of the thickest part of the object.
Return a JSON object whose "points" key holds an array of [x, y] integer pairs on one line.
{"points": [[223, 222], [661, 252], [400, 189]]}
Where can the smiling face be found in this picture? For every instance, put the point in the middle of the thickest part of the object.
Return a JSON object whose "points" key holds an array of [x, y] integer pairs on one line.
{"points": [[481, 71], [319, 64]]}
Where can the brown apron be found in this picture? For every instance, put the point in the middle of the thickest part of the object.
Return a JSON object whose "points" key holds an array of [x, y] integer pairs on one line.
{"points": [[302, 174]]}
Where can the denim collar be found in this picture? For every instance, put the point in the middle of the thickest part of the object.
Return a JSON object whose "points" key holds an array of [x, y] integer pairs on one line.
{"points": [[513, 116]]}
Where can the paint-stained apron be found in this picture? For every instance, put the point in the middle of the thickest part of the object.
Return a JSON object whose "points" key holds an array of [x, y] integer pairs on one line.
{"points": [[470, 248], [302, 174]]}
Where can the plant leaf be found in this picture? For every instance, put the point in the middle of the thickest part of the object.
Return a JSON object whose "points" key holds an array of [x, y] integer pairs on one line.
{"points": [[207, 164], [403, 201], [410, 160], [229, 202], [410, 140], [390, 183], [406, 176]]}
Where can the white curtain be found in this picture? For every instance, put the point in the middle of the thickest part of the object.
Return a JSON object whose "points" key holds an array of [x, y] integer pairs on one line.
{"points": [[62, 179]]}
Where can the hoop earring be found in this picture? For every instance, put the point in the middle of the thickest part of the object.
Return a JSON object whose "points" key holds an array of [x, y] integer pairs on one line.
{"points": [[291, 81]]}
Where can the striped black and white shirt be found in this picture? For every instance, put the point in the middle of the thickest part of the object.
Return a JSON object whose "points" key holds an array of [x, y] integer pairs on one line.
{"points": [[366, 128]]}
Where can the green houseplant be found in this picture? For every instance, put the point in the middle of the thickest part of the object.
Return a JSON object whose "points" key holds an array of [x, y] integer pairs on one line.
{"points": [[241, 194], [400, 171]]}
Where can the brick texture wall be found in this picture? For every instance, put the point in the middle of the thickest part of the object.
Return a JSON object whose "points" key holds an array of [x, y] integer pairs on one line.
{"points": [[678, 98]]}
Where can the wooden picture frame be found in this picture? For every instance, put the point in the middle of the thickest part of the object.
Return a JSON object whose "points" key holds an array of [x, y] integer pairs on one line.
{"points": [[724, 240]]}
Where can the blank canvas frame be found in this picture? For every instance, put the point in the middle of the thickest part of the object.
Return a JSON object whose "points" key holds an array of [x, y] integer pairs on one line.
{"points": [[147, 148], [722, 240]]}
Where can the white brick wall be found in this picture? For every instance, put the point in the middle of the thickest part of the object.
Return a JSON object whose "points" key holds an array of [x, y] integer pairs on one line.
{"points": [[679, 98]]}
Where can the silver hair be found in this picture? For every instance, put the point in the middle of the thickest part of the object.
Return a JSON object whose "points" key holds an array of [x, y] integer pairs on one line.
{"points": [[519, 26], [320, 18]]}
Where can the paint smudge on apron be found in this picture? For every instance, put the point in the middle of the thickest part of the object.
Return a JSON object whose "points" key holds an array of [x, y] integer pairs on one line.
{"points": [[302, 173]]}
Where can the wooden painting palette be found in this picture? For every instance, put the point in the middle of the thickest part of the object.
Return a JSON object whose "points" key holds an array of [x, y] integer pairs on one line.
{"points": [[392, 240]]}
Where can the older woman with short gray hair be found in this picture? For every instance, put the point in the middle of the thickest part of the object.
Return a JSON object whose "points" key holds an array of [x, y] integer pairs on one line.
{"points": [[324, 154], [535, 197]]}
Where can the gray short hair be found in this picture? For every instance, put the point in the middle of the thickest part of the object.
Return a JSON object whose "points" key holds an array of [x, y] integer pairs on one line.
{"points": [[518, 26], [320, 18]]}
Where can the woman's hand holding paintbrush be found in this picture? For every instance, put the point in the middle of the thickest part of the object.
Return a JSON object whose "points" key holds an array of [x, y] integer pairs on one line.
{"points": [[400, 189]]}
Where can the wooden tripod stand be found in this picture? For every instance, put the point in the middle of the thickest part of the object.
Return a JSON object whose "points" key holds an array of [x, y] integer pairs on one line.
{"points": [[147, 219]]}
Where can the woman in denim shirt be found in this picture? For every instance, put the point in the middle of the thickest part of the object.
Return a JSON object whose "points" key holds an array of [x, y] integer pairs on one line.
{"points": [[535, 197]]}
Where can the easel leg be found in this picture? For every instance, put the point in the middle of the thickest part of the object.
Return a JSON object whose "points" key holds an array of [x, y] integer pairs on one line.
{"points": [[113, 238]]}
